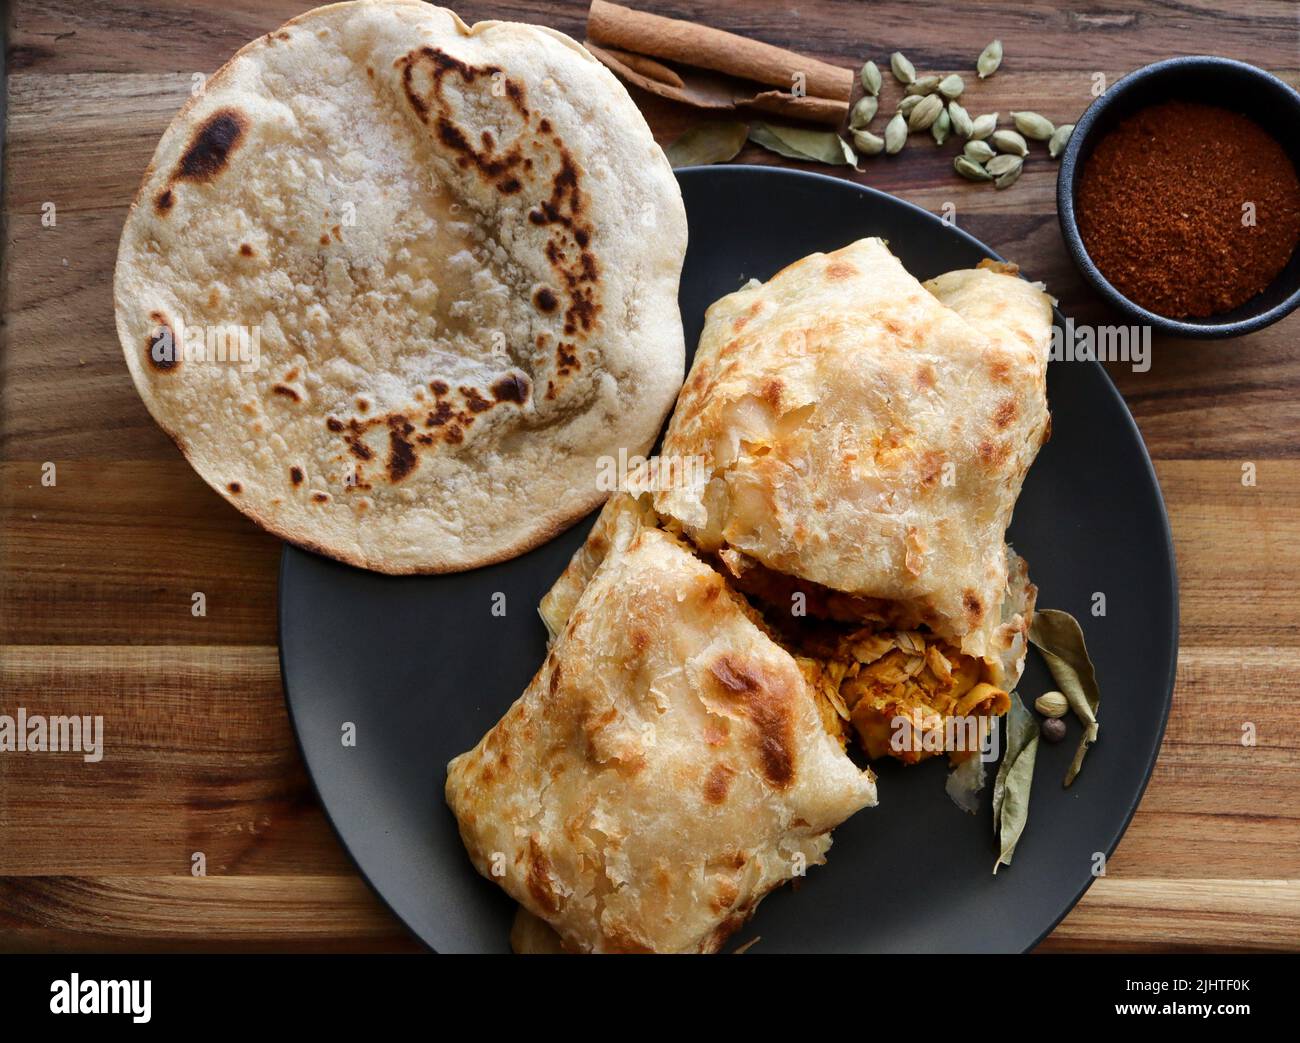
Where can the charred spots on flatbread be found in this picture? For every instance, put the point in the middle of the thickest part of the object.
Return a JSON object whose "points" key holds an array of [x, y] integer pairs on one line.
{"points": [[161, 348], [284, 391], [717, 784], [358, 448], [566, 359], [443, 423], [402, 459], [209, 149], [432, 66], [437, 64], [206, 155], [544, 299], [513, 387], [235, 488], [503, 164], [566, 250], [765, 703], [993, 454], [1005, 413], [475, 401], [295, 475], [974, 607]]}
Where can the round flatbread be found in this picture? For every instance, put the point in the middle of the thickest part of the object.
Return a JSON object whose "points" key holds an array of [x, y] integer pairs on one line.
{"points": [[396, 286]]}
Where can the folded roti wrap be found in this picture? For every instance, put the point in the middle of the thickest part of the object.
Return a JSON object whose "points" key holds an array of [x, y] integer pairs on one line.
{"points": [[868, 433], [666, 768]]}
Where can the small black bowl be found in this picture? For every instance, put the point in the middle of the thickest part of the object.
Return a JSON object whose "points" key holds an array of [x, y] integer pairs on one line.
{"points": [[1215, 81]]}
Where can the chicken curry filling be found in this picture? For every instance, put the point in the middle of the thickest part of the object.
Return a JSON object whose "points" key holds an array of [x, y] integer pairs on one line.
{"points": [[878, 673]]}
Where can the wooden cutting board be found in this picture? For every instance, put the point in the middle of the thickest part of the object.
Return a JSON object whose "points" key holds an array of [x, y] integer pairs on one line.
{"points": [[99, 570]]}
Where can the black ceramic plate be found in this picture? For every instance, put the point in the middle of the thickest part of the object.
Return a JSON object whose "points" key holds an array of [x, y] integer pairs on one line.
{"points": [[422, 667]]}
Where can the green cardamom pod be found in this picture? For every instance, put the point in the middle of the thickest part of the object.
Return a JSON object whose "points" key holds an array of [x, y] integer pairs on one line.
{"points": [[983, 126], [979, 151], [906, 106], [989, 60], [925, 85], [941, 127], [961, 121], [1008, 177], [1032, 125], [868, 144], [896, 134], [903, 70], [970, 170], [1010, 141], [870, 78], [864, 111], [925, 113], [951, 86], [999, 165], [1059, 140]]}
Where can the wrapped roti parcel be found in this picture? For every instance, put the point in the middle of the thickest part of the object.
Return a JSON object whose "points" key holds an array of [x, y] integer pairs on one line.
{"points": [[864, 439], [666, 768], [412, 236]]}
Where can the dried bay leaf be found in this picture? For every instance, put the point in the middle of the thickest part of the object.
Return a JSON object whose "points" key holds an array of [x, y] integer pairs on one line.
{"points": [[713, 142], [1015, 806], [1058, 636], [1020, 728], [1014, 781], [812, 146]]}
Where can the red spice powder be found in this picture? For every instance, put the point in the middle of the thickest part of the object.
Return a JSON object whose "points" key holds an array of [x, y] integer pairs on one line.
{"points": [[1162, 208]]}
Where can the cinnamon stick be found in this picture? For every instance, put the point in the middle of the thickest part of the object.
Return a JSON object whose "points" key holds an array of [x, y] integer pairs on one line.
{"points": [[648, 67], [701, 89], [688, 43], [813, 109]]}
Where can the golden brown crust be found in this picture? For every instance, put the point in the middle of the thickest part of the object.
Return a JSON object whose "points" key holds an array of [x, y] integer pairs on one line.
{"points": [[867, 433], [664, 770]]}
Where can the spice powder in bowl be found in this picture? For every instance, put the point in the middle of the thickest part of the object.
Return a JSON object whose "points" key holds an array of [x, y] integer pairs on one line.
{"points": [[1189, 210]]}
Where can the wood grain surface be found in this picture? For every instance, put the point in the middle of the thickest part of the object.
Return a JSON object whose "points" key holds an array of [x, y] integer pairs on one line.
{"points": [[97, 572]]}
